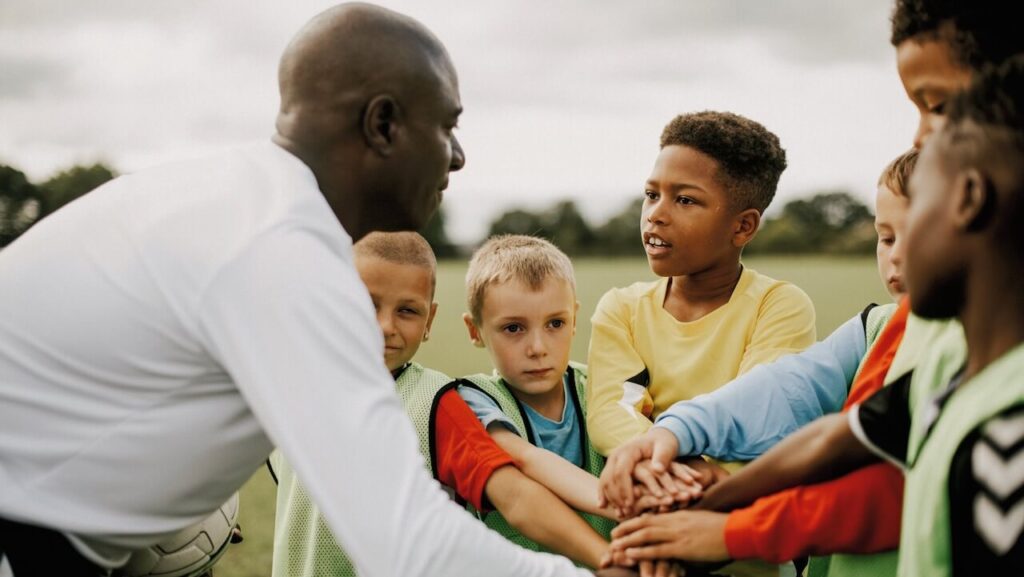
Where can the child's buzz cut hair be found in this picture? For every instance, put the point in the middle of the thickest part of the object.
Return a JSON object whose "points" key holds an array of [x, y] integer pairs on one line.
{"points": [[750, 158], [897, 173], [502, 258], [985, 128], [979, 32], [399, 248]]}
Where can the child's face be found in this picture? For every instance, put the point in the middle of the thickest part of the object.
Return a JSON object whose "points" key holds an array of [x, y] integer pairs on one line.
{"points": [[931, 247], [930, 75], [402, 295], [890, 224], [528, 334], [687, 224]]}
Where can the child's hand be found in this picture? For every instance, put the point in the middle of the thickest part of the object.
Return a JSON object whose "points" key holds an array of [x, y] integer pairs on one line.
{"points": [[679, 484], [616, 485], [705, 472], [661, 568], [687, 535]]}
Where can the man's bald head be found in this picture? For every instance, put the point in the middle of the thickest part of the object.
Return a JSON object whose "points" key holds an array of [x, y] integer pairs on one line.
{"points": [[341, 57], [369, 99]]}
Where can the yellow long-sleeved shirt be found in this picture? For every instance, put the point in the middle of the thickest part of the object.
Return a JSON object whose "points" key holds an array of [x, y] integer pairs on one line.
{"points": [[642, 360]]}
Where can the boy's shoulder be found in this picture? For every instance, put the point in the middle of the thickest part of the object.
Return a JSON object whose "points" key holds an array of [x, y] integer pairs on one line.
{"points": [[763, 288], [417, 373], [631, 296]]}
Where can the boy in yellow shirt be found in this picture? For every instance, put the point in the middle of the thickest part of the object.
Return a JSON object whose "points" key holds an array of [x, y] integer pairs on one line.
{"points": [[708, 319]]}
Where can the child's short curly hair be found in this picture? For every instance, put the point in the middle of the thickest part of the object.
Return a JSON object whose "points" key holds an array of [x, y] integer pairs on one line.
{"points": [[502, 258], [979, 32], [749, 157]]}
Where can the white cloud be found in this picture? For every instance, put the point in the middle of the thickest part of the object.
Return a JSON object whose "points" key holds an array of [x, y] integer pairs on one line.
{"points": [[562, 99]]}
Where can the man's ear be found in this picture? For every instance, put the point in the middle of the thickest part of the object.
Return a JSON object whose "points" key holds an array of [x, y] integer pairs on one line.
{"points": [[975, 201], [474, 332], [380, 123], [746, 227]]}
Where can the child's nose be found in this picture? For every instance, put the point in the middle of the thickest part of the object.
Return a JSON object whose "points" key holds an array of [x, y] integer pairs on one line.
{"points": [[656, 214], [535, 346]]}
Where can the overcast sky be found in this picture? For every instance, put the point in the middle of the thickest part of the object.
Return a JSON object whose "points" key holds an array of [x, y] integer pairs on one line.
{"points": [[562, 99]]}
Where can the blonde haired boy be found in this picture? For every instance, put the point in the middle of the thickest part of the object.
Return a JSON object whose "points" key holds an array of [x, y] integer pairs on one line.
{"points": [[521, 293], [399, 272]]}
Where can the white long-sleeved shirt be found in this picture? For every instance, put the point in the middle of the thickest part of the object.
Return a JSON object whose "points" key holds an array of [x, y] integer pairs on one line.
{"points": [[160, 335]]}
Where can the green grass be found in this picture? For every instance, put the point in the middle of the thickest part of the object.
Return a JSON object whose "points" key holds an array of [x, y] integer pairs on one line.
{"points": [[840, 288]]}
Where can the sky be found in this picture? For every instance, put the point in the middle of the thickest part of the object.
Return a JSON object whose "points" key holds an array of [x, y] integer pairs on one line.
{"points": [[563, 99]]}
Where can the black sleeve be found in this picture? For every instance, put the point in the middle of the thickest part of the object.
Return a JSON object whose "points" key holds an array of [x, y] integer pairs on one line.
{"points": [[986, 498], [882, 422]]}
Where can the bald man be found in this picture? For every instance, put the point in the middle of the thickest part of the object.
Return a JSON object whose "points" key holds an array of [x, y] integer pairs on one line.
{"points": [[159, 336]]}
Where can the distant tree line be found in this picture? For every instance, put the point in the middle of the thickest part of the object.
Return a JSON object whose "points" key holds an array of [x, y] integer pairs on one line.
{"points": [[829, 222]]}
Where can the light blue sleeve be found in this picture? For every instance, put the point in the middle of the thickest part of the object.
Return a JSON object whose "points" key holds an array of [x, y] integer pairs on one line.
{"points": [[750, 414], [484, 407]]}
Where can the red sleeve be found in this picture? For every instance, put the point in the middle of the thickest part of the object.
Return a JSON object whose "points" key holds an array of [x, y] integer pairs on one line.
{"points": [[466, 454], [858, 513]]}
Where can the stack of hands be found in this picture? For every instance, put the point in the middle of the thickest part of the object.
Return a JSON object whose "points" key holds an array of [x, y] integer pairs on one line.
{"points": [[657, 498]]}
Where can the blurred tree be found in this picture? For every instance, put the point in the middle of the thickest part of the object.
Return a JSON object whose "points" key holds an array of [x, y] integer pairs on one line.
{"points": [[517, 221], [67, 185], [437, 236], [19, 204], [831, 222], [620, 235], [568, 230]]}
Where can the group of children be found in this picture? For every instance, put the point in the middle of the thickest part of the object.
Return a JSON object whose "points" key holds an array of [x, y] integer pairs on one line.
{"points": [[707, 360]]}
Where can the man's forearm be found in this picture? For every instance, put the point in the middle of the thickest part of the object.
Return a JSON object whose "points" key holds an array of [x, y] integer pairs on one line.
{"points": [[822, 450]]}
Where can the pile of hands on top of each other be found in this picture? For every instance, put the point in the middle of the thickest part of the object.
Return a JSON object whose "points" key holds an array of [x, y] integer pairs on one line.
{"points": [[636, 483]]}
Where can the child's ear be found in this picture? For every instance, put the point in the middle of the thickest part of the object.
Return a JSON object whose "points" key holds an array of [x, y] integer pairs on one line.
{"points": [[430, 321], [747, 223], [975, 201], [474, 332], [575, 315]]}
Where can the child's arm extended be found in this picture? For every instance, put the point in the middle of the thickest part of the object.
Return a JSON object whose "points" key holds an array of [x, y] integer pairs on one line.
{"points": [[619, 404], [538, 514], [747, 416], [822, 450], [573, 485]]}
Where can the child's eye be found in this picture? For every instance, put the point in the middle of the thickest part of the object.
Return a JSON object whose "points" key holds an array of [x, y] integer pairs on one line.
{"points": [[512, 329], [409, 311], [887, 241], [938, 109], [685, 200], [557, 323], [651, 195]]}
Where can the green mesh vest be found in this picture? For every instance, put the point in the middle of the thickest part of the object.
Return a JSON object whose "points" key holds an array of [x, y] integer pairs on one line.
{"points": [[303, 543], [925, 547], [495, 388], [844, 564]]}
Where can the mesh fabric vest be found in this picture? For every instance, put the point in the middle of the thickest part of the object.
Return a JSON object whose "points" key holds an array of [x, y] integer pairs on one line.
{"points": [[495, 388], [304, 544]]}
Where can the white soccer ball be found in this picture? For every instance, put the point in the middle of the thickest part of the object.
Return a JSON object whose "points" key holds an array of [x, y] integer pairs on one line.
{"points": [[188, 553]]}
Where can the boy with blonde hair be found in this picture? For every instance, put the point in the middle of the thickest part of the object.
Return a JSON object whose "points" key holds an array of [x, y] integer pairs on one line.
{"points": [[399, 272], [521, 293]]}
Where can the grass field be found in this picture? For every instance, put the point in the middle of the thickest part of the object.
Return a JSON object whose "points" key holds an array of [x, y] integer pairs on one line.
{"points": [[840, 287]]}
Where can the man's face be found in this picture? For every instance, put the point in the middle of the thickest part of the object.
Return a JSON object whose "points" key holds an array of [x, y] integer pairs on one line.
{"points": [[930, 75], [430, 150], [933, 268]]}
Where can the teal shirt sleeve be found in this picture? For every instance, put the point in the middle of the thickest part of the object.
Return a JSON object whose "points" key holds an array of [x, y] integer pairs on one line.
{"points": [[750, 414], [484, 407]]}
